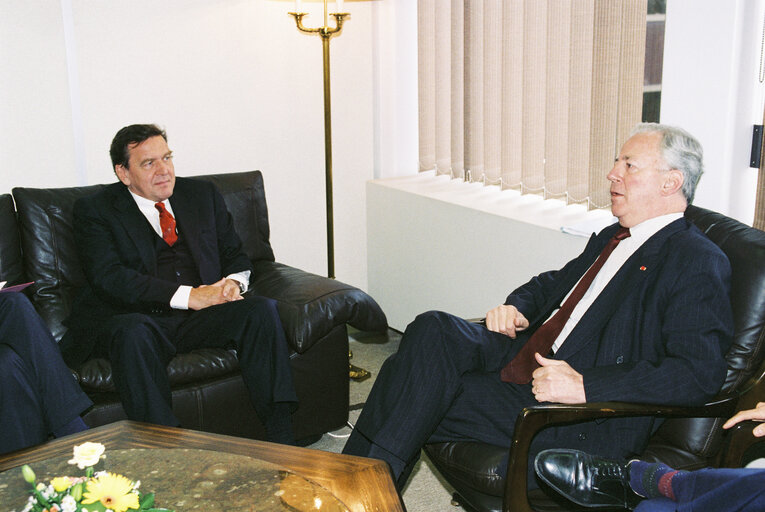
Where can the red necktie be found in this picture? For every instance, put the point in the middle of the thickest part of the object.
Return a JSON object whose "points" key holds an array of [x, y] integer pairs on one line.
{"points": [[520, 368], [167, 224]]}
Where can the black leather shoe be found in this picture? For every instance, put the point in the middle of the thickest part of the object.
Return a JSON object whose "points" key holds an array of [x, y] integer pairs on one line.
{"points": [[587, 480]]}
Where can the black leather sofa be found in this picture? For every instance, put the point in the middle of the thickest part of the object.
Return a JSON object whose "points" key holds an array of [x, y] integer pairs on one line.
{"points": [[208, 392]]}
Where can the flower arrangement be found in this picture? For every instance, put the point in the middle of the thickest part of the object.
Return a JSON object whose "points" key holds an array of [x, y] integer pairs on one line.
{"points": [[95, 492]]}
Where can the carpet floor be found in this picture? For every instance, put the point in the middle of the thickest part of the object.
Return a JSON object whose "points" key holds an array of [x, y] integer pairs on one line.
{"points": [[426, 491]]}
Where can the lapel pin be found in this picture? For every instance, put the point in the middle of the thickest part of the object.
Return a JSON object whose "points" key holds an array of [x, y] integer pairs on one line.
{"points": [[642, 267]]}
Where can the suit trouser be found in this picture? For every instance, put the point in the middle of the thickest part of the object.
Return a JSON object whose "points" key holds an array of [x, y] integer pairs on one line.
{"points": [[442, 385], [713, 490], [140, 346], [38, 393]]}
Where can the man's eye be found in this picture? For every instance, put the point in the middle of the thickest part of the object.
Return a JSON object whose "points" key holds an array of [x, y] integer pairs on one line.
{"points": [[168, 158], [148, 164]]}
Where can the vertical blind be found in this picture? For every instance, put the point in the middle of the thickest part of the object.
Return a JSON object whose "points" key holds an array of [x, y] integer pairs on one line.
{"points": [[534, 95]]}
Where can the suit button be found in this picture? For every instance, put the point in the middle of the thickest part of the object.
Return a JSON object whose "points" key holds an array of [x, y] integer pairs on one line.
{"points": [[583, 436], [178, 274], [620, 360]]}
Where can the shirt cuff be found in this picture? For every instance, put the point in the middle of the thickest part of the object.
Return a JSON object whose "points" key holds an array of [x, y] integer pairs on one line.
{"points": [[242, 278], [180, 299]]}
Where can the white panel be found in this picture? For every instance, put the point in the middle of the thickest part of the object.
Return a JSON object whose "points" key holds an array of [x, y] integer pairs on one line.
{"points": [[423, 247]]}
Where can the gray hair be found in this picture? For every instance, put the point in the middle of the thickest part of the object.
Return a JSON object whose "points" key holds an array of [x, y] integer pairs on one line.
{"points": [[680, 150]]}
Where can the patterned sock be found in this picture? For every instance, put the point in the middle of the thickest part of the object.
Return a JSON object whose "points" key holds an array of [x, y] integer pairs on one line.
{"points": [[652, 480], [74, 426]]}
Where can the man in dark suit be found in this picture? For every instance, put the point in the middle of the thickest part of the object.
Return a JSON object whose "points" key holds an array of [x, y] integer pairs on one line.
{"points": [[166, 275], [38, 394], [649, 323]]}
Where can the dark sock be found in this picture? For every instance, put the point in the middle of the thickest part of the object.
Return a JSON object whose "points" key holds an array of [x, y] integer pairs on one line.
{"points": [[74, 426], [652, 480], [279, 425]]}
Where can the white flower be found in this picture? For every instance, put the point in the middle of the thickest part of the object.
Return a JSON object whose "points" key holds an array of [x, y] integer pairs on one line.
{"points": [[87, 454], [68, 504]]}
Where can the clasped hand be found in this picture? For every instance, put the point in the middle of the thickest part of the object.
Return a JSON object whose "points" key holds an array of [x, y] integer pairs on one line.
{"points": [[554, 380], [206, 295]]}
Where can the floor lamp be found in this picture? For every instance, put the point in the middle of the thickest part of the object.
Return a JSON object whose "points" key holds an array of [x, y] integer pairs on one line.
{"points": [[326, 32]]}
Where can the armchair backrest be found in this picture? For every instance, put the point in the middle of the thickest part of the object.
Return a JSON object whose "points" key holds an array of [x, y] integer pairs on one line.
{"points": [[49, 251], [690, 443]]}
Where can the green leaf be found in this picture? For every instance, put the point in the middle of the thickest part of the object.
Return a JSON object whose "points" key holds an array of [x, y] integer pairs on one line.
{"points": [[146, 501]]}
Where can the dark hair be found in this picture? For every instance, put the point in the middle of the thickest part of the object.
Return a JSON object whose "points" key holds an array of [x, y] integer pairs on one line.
{"points": [[130, 136]]}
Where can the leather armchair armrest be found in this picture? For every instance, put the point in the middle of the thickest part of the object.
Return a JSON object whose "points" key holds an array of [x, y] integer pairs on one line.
{"points": [[533, 419], [740, 441], [310, 306]]}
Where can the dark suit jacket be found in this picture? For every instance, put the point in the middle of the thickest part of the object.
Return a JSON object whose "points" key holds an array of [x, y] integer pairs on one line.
{"points": [[658, 332], [116, 247]]}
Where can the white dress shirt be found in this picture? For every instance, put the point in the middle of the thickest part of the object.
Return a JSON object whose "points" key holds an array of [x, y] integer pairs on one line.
{"points": [[180, 299], [626, 248]]}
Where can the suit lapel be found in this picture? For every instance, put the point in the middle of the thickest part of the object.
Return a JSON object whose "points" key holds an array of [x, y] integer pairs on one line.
{"points": [[629, 278], [135, 225]]}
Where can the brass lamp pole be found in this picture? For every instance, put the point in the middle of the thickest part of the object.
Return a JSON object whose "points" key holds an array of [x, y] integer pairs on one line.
{"points": [[326, 32]]}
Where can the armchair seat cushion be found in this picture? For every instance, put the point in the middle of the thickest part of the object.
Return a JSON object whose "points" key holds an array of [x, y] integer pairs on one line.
{"points": [[478, 466], [196, 366]]}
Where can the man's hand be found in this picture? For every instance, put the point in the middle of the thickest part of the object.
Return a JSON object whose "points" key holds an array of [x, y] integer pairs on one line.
{"points": [[206, 295], [556, 381], [506, 320], [756, 414]]}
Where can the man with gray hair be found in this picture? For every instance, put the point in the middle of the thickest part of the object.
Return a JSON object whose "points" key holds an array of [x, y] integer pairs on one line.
{"points": [[642, 315]]}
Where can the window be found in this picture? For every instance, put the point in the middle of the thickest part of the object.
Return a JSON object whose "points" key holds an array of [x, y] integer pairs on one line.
{"points": [[654, 58]]}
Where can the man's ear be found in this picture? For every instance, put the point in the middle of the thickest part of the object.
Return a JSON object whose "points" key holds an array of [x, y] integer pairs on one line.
{"points": [[122, 173], [673, 182]]}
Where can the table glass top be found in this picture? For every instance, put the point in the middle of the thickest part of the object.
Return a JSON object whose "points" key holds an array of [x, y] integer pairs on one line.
{"points": [[190, 479]]}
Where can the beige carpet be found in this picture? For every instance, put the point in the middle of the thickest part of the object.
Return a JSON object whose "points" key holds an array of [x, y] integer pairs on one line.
{"points": [[426, 490]]}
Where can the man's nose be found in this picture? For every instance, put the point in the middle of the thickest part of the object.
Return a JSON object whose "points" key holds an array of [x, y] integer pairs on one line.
{"points": [[163, 166], [616, 172]]}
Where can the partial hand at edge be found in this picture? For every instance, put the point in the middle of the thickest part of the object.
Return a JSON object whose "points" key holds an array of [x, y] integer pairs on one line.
{"points": [[506, 320], [756, 414]]}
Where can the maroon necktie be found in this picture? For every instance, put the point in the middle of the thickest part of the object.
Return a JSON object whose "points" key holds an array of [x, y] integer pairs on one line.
{"points": [[167, 224], [520, 368]]}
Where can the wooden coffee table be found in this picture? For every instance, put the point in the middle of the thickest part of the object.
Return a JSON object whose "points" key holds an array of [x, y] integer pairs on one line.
{"points": [[361, 484]]}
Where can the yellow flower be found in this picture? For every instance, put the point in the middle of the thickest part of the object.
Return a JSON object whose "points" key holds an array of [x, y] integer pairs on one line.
{"points": [[113, 491], [87, 454], [61, 483]]}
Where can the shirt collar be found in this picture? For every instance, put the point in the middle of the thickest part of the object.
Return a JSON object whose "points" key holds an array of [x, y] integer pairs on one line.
{"points": [[650, 227], [142, 202]]}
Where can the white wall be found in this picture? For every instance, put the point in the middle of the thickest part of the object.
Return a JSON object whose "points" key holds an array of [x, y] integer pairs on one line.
{"points": [[711, 88], [234, 83]]}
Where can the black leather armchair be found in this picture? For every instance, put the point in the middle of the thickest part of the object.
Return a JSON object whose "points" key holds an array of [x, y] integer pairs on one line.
{"points": [[208, 392], [689, 438]]}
